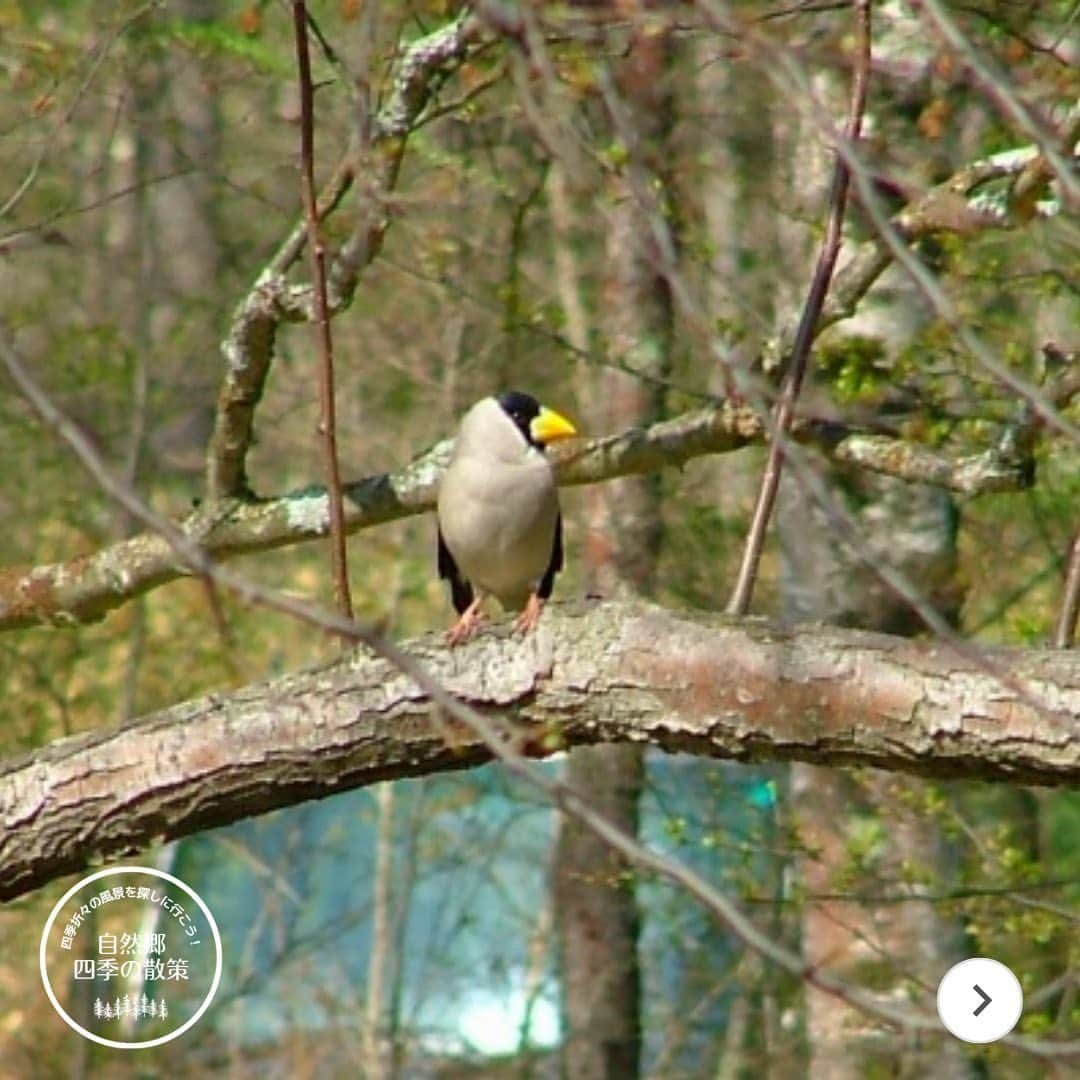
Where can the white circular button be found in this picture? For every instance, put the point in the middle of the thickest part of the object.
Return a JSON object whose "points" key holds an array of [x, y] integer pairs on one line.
{"points": [[979, 1000]]}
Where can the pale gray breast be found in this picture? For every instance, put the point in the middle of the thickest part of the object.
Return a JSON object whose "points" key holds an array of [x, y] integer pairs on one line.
{"points": [[498, 520]]}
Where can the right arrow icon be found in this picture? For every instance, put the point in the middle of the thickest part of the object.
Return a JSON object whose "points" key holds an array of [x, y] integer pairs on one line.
{"points": [[966, 992]]}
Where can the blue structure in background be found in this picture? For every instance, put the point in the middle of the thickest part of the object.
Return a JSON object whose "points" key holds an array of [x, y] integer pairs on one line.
{"points": [[292, 894]]}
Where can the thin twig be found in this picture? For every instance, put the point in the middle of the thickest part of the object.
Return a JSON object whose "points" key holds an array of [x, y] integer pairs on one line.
{"points": [[1065, 632], [364, 74], [808, 322], [65, 116], [317, 252]]}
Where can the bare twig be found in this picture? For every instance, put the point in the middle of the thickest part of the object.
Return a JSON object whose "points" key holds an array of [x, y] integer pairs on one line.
{"points": [[1065, 631], [40, 230], [64, 117], [317, 252], [328, 50], [372, 185], [808, 323]]}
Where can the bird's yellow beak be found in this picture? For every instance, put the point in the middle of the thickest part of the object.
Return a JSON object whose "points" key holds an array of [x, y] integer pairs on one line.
{"points": [[548, 427]]}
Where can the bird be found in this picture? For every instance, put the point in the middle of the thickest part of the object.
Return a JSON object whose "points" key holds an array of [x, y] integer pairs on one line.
{"points": [[499, 522]]}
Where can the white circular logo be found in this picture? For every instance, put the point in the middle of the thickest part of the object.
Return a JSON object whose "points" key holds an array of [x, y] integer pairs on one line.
{"points": [[980, 1000], [141, 950]]}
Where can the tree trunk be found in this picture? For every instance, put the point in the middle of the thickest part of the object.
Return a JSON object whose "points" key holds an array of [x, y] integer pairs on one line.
{"points": [[596, 909], [913, 527], [597, 921]]}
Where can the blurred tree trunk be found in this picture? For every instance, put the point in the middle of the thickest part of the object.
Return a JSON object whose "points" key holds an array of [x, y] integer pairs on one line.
{"points": [[160, 241], [598, 923], [183, 151], [914, 527], [595, 904], [738, 158], [187, 149], [752, 291], [377, 1040], [384, 956]]}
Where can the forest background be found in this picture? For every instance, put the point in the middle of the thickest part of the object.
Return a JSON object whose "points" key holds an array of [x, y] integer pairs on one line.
{"points": [[620, 208]]}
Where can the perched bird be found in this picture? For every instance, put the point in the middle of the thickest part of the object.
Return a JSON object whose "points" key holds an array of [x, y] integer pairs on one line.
{"points": [[500, 530]]}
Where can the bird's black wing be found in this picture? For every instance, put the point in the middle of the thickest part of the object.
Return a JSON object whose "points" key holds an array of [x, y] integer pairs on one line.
{"points": [[547, 582], [460, 590]]}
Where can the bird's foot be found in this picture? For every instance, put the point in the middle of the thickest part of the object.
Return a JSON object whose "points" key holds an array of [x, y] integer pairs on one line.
{"points": [[471, 618], [530, 616]]}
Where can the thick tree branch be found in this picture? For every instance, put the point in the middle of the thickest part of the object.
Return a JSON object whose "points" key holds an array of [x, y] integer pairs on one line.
{"points": [[87, 588], [592, 673]]}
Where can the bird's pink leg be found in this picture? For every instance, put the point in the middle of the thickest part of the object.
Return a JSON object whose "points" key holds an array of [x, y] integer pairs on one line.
{"points": [[464, 628], [530, 615]]}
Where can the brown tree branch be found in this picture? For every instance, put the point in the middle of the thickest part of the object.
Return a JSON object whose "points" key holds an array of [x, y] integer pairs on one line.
{"points": [[86, 588], [953, 206], [894, 234], [795, 371], [327, 412], [1065, 631], [592, 673]]}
